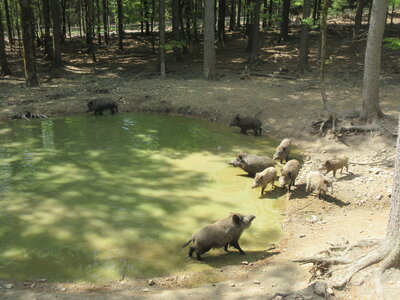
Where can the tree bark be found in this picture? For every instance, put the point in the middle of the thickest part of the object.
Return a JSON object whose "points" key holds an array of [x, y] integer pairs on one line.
{"points": [[146, 16], [285, 20], [176, 33], [4, 68], [9, 24], [221, 21], [304, 37], [120, 25], [239, 13], [371, 111], [28, 44], [89, 28], [105, 21], [255, 32], [358, 17], [57, 34], [47, 38], [209, 38], [232, 17], [98, 23], [63, 7], [162, 37]]}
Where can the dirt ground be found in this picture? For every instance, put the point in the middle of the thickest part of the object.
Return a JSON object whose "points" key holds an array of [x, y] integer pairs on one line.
{"points": [[357, 209]]}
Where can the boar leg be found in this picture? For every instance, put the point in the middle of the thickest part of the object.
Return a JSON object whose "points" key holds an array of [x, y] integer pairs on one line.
{"points": [[262, 190], [236, 245], [191, 250]]}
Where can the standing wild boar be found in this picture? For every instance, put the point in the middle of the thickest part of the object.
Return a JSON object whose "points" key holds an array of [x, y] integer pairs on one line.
{"points": [[247, 123], [263, 178], [252, 163], [283, 150], [319, 183], [223, 233], [289, 174], [100, 105], [335, 164]]}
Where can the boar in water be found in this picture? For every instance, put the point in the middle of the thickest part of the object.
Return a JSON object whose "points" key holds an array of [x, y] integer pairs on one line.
{"points": [[247, 123], [100, 105], [335, 164], [263, 178], [223, 233], [252, 163], [283, 150], [319, 183], [289, 174]]}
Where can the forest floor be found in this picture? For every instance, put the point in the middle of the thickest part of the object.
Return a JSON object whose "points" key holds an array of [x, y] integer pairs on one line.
{"points": [[358, 208]]}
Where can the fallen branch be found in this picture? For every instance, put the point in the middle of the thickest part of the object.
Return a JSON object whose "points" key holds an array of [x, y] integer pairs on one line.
{"points": [[323, 260], [371, 162], [274, 76]]}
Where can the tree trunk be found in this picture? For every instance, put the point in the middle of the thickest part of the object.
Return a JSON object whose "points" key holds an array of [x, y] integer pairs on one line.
{"points": [[89, 28], [239, 13], [48, 51], [255, 32], [64, 21], [57, 34], [4, 68], [270, 8], [176, 34], [120, 25], [221, 21], [146, 17], [265, 15], [195, 10], [324, 37], [303, 47], [162, 37], [232, 17], [209, 38], [371, 111], [9, 24], [285, 21], [105, 20], [358, 17], [28, 44], [98, 23]]}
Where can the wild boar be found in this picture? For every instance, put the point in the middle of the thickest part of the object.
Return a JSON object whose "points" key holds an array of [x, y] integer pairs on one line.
{"points": [[223, 233], [252, 163], [289, 174], [247, 123], [100, 105], [283, 150], [335, 164], [263, 178], [319, 183]]}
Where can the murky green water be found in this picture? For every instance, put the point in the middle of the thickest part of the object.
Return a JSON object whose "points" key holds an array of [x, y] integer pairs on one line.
{"points": [[91, 199]]}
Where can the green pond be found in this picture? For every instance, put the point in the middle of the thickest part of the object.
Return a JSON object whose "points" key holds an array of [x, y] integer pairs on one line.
{"points": [[94, 198]]}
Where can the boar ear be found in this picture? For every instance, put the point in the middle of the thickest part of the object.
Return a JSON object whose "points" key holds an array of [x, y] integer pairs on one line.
{"points": [[236, 218]]}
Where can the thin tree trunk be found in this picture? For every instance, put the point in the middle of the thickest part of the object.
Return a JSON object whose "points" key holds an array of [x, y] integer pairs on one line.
{"points": [[265, 14], [80, 18], [358, 17], [232, 17], [48, 50], [89, 28], [162, 37], [324, 36], [105, 20], [18, 26], [370, 106], [57, 34], [255, 32], [4, 68], [176, 35], [9, 26], [64, 20], [146, 16], [28, 44], [303, 47], [209, 38], [221, 21], [196, 38], [120, 25], [285, 21], [270, 9], [391, 16], [239, 13], [98, 23]]}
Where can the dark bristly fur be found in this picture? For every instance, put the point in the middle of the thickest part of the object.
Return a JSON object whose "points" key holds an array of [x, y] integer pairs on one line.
{"points": [[221, 234], [100, 105], [247, 123], [252, 163]]}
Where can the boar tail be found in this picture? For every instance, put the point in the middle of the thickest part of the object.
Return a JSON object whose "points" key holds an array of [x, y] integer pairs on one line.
{"points": [[187, 243]]}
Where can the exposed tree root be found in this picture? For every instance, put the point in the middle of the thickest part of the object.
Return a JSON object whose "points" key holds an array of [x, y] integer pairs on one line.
{"points": [[378, 162], [323, 260], [27, 115]]}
